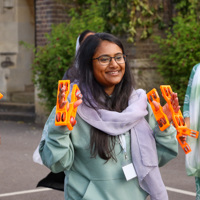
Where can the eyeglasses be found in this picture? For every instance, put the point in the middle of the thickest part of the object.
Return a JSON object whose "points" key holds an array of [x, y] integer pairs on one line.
{"points": [[105, 60]]}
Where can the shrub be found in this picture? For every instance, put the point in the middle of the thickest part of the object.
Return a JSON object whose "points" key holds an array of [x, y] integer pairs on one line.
{"points": [[114, 16], [52, 60], [179, 51]]}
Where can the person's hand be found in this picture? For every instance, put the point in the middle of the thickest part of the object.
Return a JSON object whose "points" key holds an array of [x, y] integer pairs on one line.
{"points": [[175, 105], [76, 104], [156, 105], [183, 138], [61, 97], [79, 99], [63, 101], [166, 110]]}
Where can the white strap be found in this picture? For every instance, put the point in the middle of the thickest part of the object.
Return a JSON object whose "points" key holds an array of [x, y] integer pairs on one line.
{"points": [[123, 142]]}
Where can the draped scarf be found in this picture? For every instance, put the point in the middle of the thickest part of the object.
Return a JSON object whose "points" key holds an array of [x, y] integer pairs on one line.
{"points": [[143, 147]]}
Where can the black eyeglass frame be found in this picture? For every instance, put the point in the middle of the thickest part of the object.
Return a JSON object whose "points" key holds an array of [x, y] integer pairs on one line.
{"points": [[124, 56]]}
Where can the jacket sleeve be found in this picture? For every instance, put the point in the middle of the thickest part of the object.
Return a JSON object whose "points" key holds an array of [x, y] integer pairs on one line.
{"points": [[166, 142], [186, 104], [56, 149]]}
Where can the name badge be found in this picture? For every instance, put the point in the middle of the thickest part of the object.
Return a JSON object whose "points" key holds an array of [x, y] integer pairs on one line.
{"points": [[129, 171]]}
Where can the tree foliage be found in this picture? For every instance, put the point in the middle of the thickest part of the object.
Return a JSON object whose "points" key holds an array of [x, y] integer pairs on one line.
{"points": [[179, 51], [114, 16], [52, 60]]}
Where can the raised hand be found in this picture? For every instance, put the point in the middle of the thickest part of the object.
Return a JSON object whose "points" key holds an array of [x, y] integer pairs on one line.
{"points": [[175, 105], [65, 110], [61, 96]]}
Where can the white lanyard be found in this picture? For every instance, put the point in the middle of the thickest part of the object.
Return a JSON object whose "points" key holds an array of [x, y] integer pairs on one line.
{"points": [[128, 168], [122, 141]]}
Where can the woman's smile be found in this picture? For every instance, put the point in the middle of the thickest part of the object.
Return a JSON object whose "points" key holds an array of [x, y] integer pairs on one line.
{"points": [[113, 73]]}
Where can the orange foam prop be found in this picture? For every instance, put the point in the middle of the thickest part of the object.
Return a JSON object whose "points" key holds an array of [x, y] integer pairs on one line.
{"points": [[160, 116], [178, 121], [65, 116]]}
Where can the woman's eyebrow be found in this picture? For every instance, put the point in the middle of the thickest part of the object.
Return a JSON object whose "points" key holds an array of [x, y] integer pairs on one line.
{"points": [[119, 53], [109, 55]]}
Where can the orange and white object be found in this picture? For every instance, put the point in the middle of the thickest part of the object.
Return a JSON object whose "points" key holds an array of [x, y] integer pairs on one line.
{"points": [[160, 116], [178, 121], [66, 116]]}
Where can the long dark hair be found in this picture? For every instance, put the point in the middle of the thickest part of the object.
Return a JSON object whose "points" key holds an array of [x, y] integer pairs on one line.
{"points": [[101, 144]]}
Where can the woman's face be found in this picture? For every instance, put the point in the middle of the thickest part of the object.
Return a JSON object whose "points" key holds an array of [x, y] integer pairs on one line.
{"points": [[110, 74]]}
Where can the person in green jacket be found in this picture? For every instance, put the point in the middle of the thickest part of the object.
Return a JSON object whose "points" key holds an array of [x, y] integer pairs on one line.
{"points": [[191, 113], [116, 147]]}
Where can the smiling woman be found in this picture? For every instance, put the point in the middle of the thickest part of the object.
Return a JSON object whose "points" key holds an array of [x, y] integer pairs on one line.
{"points": [[115, 149], [108, 71]]}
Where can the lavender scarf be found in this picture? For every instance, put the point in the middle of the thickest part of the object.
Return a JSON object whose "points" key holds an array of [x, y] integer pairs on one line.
{"points": [[143, 147]]}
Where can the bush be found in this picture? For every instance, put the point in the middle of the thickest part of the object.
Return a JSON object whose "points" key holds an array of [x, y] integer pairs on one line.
{"points": [[179, 52], [52, 60], [118, 17]]}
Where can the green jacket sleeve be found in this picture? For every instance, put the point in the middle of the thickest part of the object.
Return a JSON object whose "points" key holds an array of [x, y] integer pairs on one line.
{"points": [[56, 149], [186, 105], [166, 142]]}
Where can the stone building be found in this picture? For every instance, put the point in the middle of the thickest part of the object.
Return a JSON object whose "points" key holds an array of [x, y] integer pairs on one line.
{"points": [[28, 21], [17, 23]]}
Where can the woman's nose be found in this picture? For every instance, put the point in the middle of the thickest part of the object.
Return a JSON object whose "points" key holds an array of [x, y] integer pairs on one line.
{"points": [[113, 62]]}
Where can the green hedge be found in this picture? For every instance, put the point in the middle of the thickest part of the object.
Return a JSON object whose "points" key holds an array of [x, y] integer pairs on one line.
{"points": [[179, 51]]}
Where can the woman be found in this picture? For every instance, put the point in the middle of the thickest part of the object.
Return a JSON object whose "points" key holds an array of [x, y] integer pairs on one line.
{"points": [[191, 110], [114, 150]]}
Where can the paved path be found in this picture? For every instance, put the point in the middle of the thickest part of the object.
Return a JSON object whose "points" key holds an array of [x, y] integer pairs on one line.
{"points": [[19, 175]]}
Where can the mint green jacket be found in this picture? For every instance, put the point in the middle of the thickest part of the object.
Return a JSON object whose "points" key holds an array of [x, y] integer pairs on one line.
{"points": [[92, 178]]}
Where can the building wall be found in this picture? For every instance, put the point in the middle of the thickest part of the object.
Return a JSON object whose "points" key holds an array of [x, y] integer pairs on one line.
{"points": [[16, 24], [48, 12], [8, 43]]}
